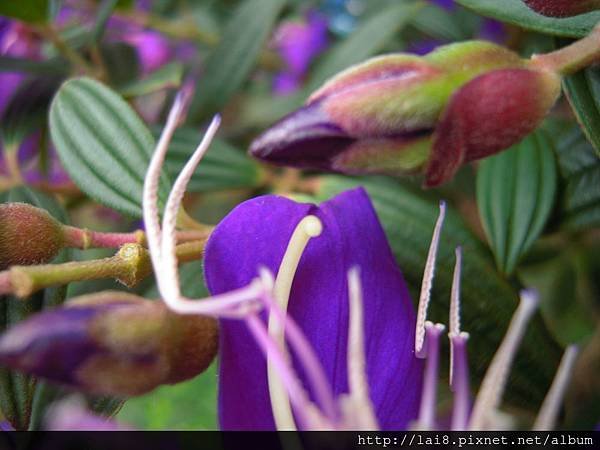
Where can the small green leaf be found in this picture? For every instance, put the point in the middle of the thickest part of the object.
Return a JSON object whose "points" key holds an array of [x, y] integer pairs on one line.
{"points": [[580, 168], [121, 62], [168, 76], [103, 144], [26, 10], [517, 13], [515, 194], [54, 66], [583, 92], [230, 62], [223, 166], [369, 38], [488, 301]]}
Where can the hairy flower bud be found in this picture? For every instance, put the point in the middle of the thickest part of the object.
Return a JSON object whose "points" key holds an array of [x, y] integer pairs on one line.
{"points": [[392, 114], [28, 235], [562, 8], [111, 343]]}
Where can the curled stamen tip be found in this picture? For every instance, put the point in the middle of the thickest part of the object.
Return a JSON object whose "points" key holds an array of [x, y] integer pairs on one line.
{"points": [[529, 297], [442, 206], [312, 226]]}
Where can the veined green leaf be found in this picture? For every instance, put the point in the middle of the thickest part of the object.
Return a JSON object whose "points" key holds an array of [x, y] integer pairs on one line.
{"points": [[580, 168], [168, 76], [517, 13], [230, 62], [583, 92], [27, 10], [515, 194], [103, 144], [488, 301], [223, 166]]}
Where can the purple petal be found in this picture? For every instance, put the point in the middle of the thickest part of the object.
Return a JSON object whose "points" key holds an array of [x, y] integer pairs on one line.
{"points": [[256, 234]]}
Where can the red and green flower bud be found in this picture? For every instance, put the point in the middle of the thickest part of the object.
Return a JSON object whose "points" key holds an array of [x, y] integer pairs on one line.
{"points": [[111, 343], [28, 235], [391, 114], [562, 8]]}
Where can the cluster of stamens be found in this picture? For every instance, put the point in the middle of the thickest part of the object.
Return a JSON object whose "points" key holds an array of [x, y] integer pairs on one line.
{"points": [[290, 401]]}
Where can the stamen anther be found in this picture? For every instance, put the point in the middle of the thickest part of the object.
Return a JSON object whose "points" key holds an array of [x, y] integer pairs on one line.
{"points": [[428, 398], [494, 382], [307, 228], [546, 418], [427, 282]]}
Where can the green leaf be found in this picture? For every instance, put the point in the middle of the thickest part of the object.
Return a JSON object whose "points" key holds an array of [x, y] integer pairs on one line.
{"points": [[27, 110], [488, 301], [168, 76], [580, 169], [26, 10], [515, 194], [54, 66], [17, 390], [103, 144], [223, 166], [583, 92], [517, 13], [369, 38], [230, 62], [121, 62]]}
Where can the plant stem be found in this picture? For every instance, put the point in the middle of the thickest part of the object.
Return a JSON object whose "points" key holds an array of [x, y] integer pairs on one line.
{"points": [[572, 58], [50, 33], [129, 266]]}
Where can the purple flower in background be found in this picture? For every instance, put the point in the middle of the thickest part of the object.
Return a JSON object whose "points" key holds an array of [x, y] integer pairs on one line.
{"points": [[256, 234], [446, 4], [298, 43], [493, 30], [153, 49]]}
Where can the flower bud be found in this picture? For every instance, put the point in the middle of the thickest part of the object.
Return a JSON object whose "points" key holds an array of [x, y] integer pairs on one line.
{"points": [[111, 343], [562, 8], [387, 114], [28, 235]]}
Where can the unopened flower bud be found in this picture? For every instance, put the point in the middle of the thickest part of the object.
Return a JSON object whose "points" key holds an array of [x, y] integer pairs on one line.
{"points": [[111, 343], [28, 235], [562, 8], [391, 114]]}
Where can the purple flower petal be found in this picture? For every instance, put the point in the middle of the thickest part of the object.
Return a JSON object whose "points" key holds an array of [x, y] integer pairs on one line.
{"points": [[256, 234]]}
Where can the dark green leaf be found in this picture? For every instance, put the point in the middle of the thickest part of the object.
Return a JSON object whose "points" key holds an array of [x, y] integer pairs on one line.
{"points": [[168, 76], [223, 166], [580, 168], [515, 194], [26, 10], [583, 92], [53, 66], [27, 110], [365, 41], [103, 144], [121, 62], [517, 13], [488, 301], [231, 61]]}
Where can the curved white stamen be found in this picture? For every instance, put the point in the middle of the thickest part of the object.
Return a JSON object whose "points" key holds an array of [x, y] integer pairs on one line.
{"points": [[357, 366], [427, 283], [234, 304], [546, 418], [455, 308], [494, 382], [305, 354], [170, 286], [307, 228], [426, 419]]}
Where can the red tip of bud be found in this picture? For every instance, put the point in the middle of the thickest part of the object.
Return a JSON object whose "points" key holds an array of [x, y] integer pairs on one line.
{"points": [[562, 8], [489, 114], [28, 235]]}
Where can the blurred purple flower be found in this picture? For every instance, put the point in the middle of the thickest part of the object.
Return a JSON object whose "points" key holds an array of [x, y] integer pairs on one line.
{"points": [[298, 43], [256, 234], [493, 30], [72, 415], [153, 49], [446, 4]]}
